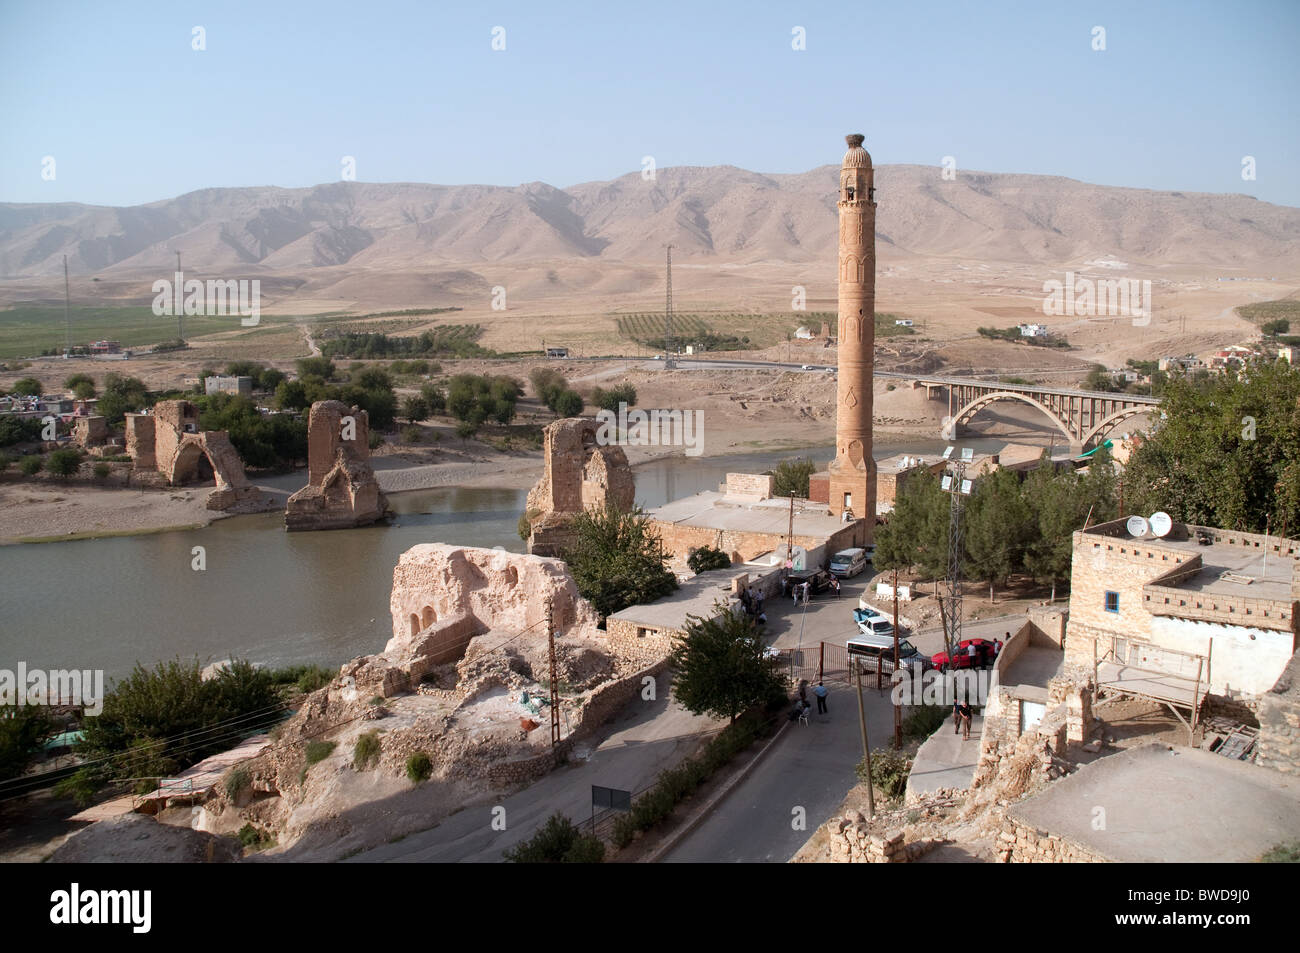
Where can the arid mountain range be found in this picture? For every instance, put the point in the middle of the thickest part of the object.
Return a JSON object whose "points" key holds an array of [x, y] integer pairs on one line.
{"points": [[719, 214]]}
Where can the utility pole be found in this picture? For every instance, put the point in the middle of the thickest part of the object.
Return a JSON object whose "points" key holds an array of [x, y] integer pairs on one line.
{"points": [[668, 311], [956, 484], [866, 746], [898, 712], [180, 301], [555, 685], [67, 311]]}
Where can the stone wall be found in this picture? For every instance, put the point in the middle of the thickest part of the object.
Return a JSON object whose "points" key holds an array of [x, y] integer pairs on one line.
{"points": [[90, 431], [140, 441], [1278, 711], [749, 487], [1020, 843], [170, 442], [853, 841], [743, 546]]}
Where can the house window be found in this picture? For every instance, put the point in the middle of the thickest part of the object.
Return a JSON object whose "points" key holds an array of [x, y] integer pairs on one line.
{"points": [[641, 633], [1112, 601]]}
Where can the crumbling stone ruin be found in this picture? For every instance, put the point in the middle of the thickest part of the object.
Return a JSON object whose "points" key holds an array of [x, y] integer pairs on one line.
{"points": [[464, 679], [341, 488], [169, 440], [579, 474]]}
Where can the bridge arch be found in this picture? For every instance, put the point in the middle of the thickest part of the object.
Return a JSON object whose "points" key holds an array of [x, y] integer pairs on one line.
{"points": [[979, 403], [1103, 427]]}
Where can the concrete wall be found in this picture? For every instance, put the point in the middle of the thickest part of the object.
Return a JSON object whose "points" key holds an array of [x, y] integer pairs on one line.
{"points": [[1243, 661], [751, 487], [743, 546]]}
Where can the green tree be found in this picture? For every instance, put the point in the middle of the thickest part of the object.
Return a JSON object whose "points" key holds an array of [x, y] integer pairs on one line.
{"points": [[291, 395], [23, 729], [916, 535], [81, 385], [415, 409], [19, 429], [569, 404], [1274, 328], [999, 525], [1099, 379], [161, 720], [612, 398], [558, 841], [617, 560], [706, 558], [64, 462], [31, 465], [433, 398], [720, 666], [372, 378], [792, 476], [321, 367], [548, 385], [120, 396], [1225, 452], [27, 387]]}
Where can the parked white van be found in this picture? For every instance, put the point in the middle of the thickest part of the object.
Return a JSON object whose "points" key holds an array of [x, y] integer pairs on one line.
{"points": [[848, 563]]}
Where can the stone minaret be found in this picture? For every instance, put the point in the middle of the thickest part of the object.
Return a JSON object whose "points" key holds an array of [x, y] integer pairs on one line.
{"points": [[853, 471]]}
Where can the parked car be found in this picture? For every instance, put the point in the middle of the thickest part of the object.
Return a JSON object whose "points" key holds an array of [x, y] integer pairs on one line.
{"points": [[984, 655], [847, 563], [862, 613], [878, 651], [875, 625], [819, 579]]}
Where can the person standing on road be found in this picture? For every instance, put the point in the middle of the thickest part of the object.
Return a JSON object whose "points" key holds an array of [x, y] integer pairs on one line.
{"points": [[965, 721], [835, 585], [758, 599], [972, 653], [956, 717], [820, 692]]}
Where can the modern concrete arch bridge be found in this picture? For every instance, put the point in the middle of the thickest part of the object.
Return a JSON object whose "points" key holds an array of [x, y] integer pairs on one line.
{"points": [[1083, 416]]}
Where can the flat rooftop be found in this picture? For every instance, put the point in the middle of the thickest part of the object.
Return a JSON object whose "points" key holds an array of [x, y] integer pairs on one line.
{"points": [[713, 510], [697, 596], [1031, 670], [1271, 576], [1164, 805]]}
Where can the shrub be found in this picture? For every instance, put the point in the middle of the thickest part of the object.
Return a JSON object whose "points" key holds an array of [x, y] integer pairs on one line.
{"points": [[236, 781], [102, 471], [889, 771], [30, 466], [558, 841], [365, 753], [254, 838], [1283, 854], [419, 767], [411, 434], [64, 462], [706, 558], [318, 751], [924, 720]]}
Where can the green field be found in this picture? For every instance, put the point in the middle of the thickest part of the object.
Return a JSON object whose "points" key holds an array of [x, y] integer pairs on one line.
{"points": [[1265, 311], [27, 330]]}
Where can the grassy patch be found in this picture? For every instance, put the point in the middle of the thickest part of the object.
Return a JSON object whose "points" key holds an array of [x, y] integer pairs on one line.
{"points": [[365, 754], [318, 751], [419, 767]]}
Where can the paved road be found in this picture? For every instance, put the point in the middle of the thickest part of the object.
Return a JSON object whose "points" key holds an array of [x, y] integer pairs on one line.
{"points": [[810, 766], [649, 737]]}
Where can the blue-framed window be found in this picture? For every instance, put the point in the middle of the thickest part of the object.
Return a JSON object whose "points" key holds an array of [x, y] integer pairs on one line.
{"points": [[1112, 601]]}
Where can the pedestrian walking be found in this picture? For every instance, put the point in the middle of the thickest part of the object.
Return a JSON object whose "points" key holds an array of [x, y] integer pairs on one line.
{"points": [[835, 585], [956, 717], [821, 693], [758, 600], [807, 588], [965, 721]]}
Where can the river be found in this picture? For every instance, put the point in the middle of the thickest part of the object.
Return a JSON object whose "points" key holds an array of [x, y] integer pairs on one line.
{"points": [[274, 597]]}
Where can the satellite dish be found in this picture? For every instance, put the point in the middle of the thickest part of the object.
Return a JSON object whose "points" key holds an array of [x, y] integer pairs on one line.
{"points": [[1161, 524], [1137, 525]]}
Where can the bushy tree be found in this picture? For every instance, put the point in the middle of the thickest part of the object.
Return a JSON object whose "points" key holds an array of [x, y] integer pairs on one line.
{"points": [[1226, 451], [18, 429], [474, 399], [321, 367], [81, 385], [64, 462], [706, 558], [558, 841], [612, 398], [27, 387], [23, 729], [120, 396], [720, 666], [617, 560], [792, 476], [569, 404], [916, 535], [415, 409], [161, 720], [31, 465], [433, 398], [999, 525]]}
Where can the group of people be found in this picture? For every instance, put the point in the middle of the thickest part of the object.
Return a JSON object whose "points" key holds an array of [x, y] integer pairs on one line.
{"points": [[983, 655], [752, 602], [801, 706]]}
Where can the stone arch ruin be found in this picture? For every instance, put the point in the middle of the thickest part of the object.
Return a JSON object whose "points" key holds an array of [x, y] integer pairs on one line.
{"points": [[341, 488], [580, 474], [169, 441]]}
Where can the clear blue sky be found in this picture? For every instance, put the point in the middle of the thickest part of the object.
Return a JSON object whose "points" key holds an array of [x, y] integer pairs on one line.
{"points": [[414, 91]]}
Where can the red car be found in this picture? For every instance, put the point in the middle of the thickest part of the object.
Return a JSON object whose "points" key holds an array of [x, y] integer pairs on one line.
{"points": [[983, 649]]}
